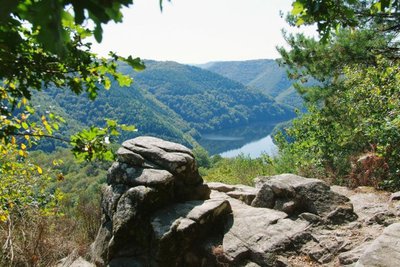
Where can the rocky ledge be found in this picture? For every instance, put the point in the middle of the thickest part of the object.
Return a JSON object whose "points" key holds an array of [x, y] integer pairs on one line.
{"points": [[158, 212]]}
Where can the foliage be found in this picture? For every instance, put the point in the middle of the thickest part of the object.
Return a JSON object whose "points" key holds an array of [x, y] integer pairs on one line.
{"points": [[331, 15], [43, 44], [38, 50], [24, 191], [67, 218], [32, 239], [239, 170], [354, 109], [324, 62], [362, 117], [263, 75], [23, 184], [93, 143], [168, 100], [202, 157], [208, 101]]}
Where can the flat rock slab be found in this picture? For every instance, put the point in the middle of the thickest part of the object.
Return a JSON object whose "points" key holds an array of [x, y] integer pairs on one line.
{"points": [[185, 215], [221, 187], [384, 251], [256, 234], [121, 173], [174, 157]]}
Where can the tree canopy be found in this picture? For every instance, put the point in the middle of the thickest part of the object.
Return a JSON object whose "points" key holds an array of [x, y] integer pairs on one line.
{"points": [[351, 130], [332, 15], [43, 43]]}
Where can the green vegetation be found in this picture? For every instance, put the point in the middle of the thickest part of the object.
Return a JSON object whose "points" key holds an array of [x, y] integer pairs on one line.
{"points": [[49, 203], [43, 44], [207, 101], [168, 100], [263, 75], [351, 133], [239, 170]]}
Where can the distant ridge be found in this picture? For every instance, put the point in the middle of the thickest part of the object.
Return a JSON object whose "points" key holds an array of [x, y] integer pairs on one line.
{"points": [[264, 75]]}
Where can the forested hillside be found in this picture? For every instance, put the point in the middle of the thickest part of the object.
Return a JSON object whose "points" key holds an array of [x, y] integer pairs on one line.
{"points": [[264, 75], [206, 100], [168, 100], [129, 105]]}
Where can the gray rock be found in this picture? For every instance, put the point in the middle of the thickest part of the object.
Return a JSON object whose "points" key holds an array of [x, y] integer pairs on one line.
{"points": [[78, 262], [295, 194], [121, 173], [157, 212], [100, 248], [220, 187], [310, 217], [383, 251], [257, 234], [265, 198], [241, 192], [395, 196], [384, 217], [110, 196], [149, 213], [175, 158], [179, 227], [129, 157], [352, 256]]}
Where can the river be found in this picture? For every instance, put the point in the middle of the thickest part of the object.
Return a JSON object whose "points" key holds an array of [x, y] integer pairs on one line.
{"points": [[251, 140]]}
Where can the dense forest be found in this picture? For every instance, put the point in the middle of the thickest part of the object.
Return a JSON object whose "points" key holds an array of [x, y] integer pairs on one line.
{"points": [[169, 100], [264, 75], [56, 95]]}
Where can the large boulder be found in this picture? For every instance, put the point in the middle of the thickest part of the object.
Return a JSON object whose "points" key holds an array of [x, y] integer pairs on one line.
{"points": [[383, 251], [258, 236], [294, 195], [156, 209]]}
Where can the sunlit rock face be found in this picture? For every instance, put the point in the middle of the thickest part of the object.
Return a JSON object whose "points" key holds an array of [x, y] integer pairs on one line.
{"points": [[156, 208]]}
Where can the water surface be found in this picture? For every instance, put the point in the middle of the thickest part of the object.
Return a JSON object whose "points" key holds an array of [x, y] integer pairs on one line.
{"points": [[250, 140]]}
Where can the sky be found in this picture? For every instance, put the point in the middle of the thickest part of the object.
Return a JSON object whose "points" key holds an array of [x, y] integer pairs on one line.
{"points": [[198, 31]]}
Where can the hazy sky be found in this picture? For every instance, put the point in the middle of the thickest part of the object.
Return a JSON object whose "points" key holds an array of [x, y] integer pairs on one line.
{"points": [[198, 31]]}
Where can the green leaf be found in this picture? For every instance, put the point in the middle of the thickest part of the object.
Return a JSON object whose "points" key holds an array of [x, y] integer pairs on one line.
{"points": [[114, 132], [111, 123], [24, 125], [300, 22], [297, 8], [98, 33], [123, 80], [55, 126], [128, 128], [107, 83], [135, 63]]}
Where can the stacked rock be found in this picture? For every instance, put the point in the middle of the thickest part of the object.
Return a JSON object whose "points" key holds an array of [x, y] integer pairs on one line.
{"points": [[156, 209]]}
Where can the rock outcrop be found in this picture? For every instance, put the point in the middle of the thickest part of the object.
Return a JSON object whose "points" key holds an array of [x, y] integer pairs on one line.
{"points": [[156, 209], [158, 212], [297, 195]]}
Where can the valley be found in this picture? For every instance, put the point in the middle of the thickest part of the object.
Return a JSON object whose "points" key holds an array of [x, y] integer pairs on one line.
{"points": [[179, 103]]}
